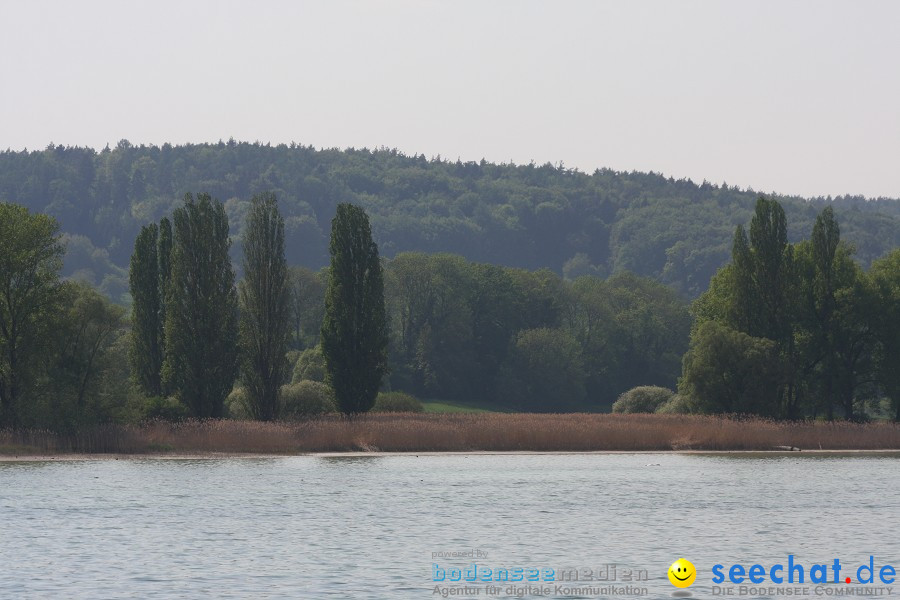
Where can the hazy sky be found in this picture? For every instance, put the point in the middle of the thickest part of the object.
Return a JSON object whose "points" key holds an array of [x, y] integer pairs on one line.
{"points": [[795, 97]]}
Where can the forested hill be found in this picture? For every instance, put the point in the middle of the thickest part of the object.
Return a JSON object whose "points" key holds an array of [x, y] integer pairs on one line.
{"points": [[527, 216]]}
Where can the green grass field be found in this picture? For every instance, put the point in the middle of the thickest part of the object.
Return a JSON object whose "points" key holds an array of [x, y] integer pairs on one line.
{"points": [[452, 406], [438, 406]]}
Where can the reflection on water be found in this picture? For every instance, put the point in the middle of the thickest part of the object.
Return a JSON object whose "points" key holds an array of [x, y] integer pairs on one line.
{"points": [[368, 527]]}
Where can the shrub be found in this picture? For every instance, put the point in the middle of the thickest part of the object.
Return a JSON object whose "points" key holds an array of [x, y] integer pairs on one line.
{"points": [[168, 409], [642, 399], [306, 399], [676, 405], [310, 366], [392, 402], [236, 405]]}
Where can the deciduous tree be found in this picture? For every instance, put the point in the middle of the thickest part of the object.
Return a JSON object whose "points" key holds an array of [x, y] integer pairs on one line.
{"points": [[30, 260], [146, 352], [201, 309], [354, 332], [264, 315]]}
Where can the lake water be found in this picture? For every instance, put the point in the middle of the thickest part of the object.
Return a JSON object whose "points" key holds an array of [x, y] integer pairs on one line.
{"points": [[371, 527]]}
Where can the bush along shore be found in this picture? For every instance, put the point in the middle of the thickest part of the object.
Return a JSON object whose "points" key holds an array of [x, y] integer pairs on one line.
{"points": [[418, 432]]}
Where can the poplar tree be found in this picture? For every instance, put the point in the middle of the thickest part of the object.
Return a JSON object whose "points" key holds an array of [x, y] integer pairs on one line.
{"points": [[164, 252], [145, 351], [354, 332], [772, 264], [742, 314], [264, 302], [826, 238], [201, 309]]}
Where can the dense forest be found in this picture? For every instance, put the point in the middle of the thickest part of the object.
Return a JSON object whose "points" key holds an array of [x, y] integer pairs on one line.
{"points": [[198, 345], [508, 287], [785, 330], [526, 216]]}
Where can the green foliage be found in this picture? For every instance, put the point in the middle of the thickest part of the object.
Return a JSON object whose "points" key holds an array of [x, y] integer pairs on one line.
{"points": [[354, 331], [544, 372], [836, 338], [84, 376], [876, 409], [86, 263], [237, 405], [784, 330], [812, 301], [310, 366], [433, 319], [92, 328], [885, 276], [290, 357], [146, 351], [763, 274], [30, 302], [164, 271], [580, 265], [114, 397], [201, 309], [397, 402], [643, 399], [166, 409], [264, 302], [633, 332], [307, 305], [526, 216], [307, 399], [757, 295], [149, 274], [453, 321], [676, 405], [718, 302], [727, 371]]}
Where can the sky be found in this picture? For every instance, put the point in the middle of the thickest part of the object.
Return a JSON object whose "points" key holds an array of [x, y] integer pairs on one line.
{"points": [[785, 96]]}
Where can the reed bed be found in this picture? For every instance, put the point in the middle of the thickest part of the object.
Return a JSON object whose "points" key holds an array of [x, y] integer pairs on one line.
{"points": [[458, 433]]}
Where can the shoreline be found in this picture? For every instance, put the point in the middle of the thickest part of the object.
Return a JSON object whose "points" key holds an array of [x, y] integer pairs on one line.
{"points": [[416, 434], [80, 456]]}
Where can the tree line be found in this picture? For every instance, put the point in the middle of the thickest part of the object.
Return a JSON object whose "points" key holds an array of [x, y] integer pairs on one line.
{"points": [[509, 338], [450, 328], [59, 340], [69, 358], [525, 216], [195, 333], [795, 330], [785, 330]]}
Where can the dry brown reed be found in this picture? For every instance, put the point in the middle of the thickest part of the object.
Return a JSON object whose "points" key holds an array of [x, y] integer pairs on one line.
{"points": [[459, 432]]}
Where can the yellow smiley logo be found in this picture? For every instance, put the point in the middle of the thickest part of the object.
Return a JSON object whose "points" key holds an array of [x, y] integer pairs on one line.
{"points": [[682, 573]]}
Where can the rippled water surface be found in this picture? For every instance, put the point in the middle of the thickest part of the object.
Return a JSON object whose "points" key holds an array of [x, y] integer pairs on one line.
{"points": [[368, 527]]}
